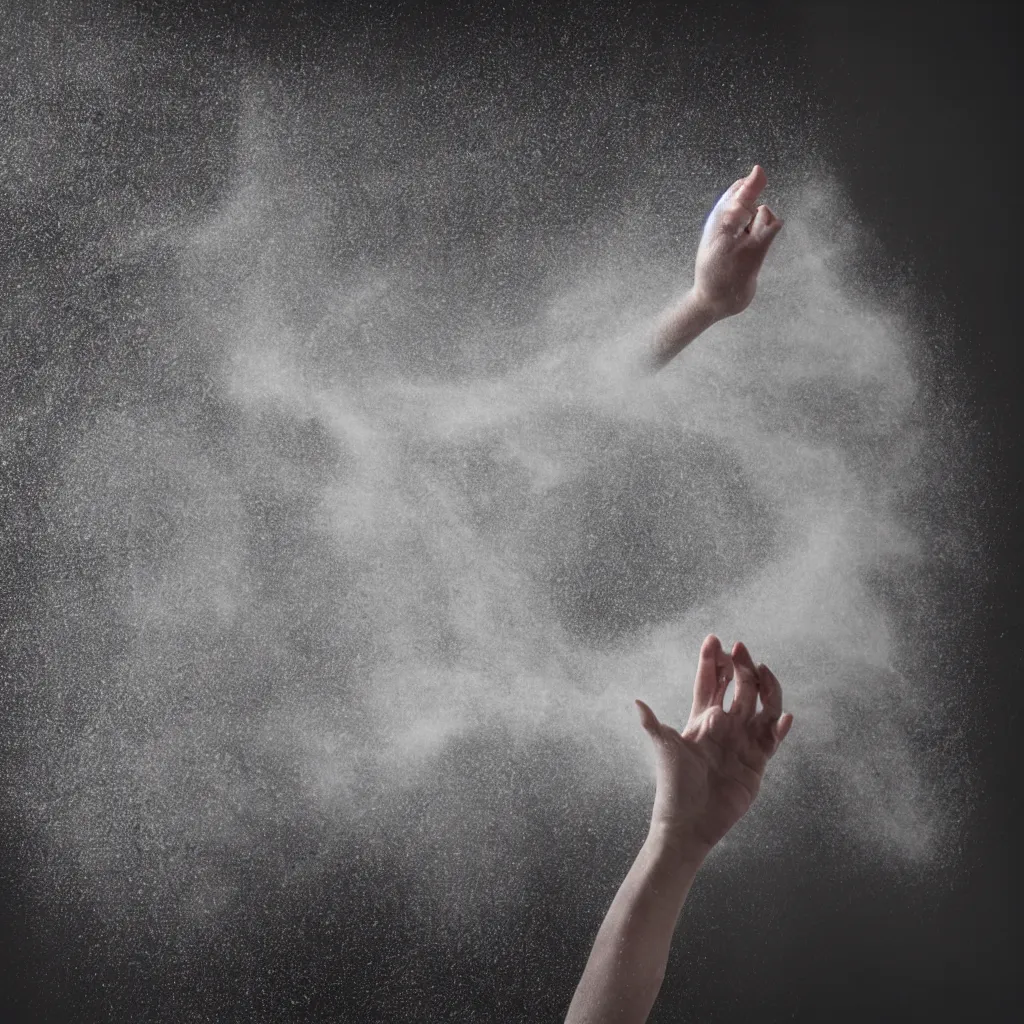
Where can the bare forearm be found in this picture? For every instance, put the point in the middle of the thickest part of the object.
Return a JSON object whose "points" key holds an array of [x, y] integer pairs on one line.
{"points": [[679, 326], [627, 964]]}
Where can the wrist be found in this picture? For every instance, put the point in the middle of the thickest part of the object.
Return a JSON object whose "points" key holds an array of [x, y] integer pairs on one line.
{"points": [[702, 308], [683, 322], [682, 851]]}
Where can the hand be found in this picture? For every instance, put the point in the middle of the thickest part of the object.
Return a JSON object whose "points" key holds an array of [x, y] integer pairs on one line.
{"points": [[733, 246], [709, 774]]}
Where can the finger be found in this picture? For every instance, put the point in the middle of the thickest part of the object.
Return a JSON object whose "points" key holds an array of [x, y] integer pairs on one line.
{"points": [[753, 185], [763, 216], [736, 219], [727, 196], [649, 720], [782, 728], [712, 665], [770, 690], [730, 193], [765, 226], [744, 701], [725, 674], [731, 210]]}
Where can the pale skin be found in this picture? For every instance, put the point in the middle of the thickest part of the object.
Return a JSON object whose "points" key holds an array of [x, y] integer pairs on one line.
{"points": [[734, 243], [709, 773]]}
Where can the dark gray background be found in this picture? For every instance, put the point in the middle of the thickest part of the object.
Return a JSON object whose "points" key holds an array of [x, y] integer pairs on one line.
{"points": [[919, 113]]}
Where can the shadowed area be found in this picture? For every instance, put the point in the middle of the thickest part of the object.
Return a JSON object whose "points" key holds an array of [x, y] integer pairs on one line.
{"points": [[652, 523]]}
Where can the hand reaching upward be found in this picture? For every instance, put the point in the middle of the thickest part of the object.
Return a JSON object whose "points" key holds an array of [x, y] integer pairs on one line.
{"points": [[733, 246], [709, 774]]}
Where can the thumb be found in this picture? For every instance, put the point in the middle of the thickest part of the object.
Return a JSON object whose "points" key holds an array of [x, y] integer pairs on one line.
{"points": [[782, 727], [649, 720]]}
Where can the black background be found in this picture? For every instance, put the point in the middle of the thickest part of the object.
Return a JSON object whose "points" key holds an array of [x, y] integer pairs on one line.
{"points": [[920, 107]]}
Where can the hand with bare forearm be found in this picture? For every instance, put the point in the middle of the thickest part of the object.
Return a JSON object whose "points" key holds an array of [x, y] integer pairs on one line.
{"points": [[732, 249], [708, 775]]}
